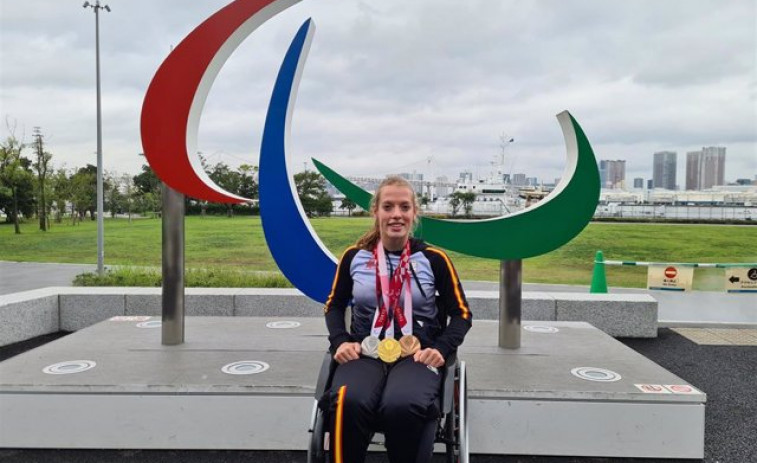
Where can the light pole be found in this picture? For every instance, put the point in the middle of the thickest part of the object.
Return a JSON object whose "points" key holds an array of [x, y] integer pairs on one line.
{"points": [[100, 213]]}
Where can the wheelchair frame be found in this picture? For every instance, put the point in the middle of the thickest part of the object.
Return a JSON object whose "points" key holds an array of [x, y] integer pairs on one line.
{"points": [[452, 424]]}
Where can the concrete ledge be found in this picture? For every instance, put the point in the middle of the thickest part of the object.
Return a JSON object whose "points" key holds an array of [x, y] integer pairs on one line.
{"points": [[33, 313], [27, 316], [535, 305], [619, 315]]}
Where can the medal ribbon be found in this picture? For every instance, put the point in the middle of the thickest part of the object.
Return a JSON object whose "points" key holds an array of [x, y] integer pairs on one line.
{"points": [[388, 293]]}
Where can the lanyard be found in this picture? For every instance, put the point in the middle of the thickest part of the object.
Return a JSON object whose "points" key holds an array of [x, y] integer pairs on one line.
{"points": [[388, 293]]}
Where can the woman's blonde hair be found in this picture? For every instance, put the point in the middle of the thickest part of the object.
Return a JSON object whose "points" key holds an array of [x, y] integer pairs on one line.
{"points": [[370, 238]]}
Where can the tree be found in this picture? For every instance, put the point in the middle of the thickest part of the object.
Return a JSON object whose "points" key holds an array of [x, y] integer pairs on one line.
{"points": [[249, 181], [16, 185], [468, 198], [348, 204], [424, 201], [454, 201], [42, 165], [229, 180], [60, 192], [147, 183], [114, 198], [84, 192], [311, 188], [128, 196], [464, 199]]}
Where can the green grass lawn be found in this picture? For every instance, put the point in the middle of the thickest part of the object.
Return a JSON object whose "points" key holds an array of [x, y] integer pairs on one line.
{"points": [[238, 244]]}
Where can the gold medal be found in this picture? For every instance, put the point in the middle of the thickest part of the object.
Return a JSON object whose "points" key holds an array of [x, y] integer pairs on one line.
{"points": [[369, 347], [409, 345], [389, 350]]}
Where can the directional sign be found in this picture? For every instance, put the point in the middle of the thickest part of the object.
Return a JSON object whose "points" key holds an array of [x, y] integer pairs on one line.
{"points": [[741, 279], [670, 277]]}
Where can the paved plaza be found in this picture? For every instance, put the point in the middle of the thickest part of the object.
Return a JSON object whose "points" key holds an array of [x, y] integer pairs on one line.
{"points": [[718, 359]]}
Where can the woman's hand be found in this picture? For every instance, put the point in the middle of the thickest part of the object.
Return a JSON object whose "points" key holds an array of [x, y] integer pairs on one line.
{"points": [[347, 351], [430, 357]]}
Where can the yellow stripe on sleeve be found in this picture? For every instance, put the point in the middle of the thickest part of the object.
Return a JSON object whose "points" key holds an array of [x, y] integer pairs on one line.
{"points": [[336, 278], [455, 283]]}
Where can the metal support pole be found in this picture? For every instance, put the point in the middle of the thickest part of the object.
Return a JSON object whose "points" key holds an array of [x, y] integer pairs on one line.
{"points": [[100, 208], [510, 296], [173, 267]]}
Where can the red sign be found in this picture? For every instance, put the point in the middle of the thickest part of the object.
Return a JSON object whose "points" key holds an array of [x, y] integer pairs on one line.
{"points": [[671, 272]]}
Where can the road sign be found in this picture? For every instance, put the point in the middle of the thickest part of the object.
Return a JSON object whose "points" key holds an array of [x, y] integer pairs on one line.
{"points": [[741, 279], [670, 277]]}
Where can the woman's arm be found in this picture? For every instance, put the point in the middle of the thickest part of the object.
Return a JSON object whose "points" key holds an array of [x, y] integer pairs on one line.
{"points": [[339, 298], [451, 301]]}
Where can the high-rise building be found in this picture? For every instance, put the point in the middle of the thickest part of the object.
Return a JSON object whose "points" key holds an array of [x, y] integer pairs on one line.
{"points": [[706, 168], [612, 174], [664, 170], [638, 182], [693, 159], [519, 180], [713, 166]]}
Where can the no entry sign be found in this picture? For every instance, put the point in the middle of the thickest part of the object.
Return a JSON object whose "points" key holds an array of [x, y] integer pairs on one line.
{"points": [[670, 277]]}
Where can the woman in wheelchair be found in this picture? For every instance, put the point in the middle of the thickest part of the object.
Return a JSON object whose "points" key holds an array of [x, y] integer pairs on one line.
{"points": [[402, 293]]}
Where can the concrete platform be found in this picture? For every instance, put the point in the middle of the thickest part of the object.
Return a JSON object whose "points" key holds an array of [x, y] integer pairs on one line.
{"points": [[139, 394]]}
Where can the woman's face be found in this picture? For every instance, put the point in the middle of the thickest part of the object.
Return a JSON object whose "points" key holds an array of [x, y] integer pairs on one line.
{"points": [[395, 215]]}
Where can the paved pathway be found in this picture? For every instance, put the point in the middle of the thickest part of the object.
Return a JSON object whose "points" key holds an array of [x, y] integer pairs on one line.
{"points": [[23, 276]]}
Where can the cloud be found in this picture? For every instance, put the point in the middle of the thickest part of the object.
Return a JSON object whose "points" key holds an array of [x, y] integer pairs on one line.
{"points": [[390, 84]]}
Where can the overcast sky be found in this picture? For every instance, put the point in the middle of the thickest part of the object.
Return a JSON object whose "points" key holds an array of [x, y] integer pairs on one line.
{"points": [[390, 84]]}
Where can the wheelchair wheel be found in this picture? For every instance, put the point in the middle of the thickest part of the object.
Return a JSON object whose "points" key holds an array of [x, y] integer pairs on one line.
{"points": [[455, 429], [316, 450], [461, 404]]}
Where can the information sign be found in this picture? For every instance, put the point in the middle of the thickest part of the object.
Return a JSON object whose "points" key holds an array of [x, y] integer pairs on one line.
{"points": [[741, 279], [670, 277]]}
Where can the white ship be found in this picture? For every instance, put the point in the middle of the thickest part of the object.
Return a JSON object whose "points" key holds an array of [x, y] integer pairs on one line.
{"points": [[496, 194]]}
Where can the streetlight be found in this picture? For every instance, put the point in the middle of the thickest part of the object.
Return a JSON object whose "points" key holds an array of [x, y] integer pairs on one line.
{"points": [[100, 213]]}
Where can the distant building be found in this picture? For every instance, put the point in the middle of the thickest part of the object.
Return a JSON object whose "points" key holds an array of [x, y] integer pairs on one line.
{"points": [[532, 181], [638, 182], [664, 170], [706, 168], [466, 176], [650, 184], [412, 177], [519, 179], [713, 166], [693, 168], [743, 181], [612, 174]]}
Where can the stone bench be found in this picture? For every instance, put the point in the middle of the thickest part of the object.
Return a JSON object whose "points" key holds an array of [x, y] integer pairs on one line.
{"points": [[28, 314]]}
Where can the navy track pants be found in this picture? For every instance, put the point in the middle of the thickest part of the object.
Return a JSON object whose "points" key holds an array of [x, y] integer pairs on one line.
{"points": [[399, 399]]}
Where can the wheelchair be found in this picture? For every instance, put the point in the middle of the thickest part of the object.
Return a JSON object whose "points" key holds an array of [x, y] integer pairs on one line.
{"points": [[452, 424]]}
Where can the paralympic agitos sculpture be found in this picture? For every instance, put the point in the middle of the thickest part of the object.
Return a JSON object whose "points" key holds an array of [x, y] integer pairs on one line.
{"points": [[170, 119]]}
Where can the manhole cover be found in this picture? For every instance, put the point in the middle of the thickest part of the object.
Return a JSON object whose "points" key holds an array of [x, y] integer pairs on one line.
{"points": [[245, 367], [69, 367], [282, 324], [595, 374], [150, 324], [541, 329]]}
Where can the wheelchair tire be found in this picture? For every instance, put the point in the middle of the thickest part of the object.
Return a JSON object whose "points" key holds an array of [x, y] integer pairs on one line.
{"points": [[316, 451], [462, 415], [455, 429]]}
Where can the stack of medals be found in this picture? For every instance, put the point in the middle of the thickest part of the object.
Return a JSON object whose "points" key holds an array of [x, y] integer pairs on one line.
{"points": [[388, 295]]}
